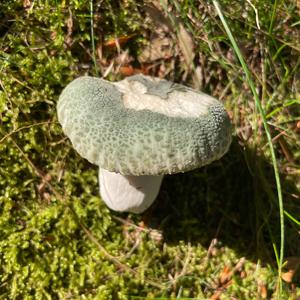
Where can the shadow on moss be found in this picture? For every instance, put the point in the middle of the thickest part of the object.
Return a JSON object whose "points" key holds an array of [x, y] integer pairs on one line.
{"points": [[232, 200]]}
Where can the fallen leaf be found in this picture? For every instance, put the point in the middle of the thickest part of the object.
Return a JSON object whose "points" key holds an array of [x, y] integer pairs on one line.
{"points": [[26, 3], [216, 295], [156, 14], [243, 274], [186, 45], [158, 48], [288, 276], [219, 292], [225, 275], [212, 247], [129, 70], [263, 291], [69, 23], [292, 264], [119, 41]]}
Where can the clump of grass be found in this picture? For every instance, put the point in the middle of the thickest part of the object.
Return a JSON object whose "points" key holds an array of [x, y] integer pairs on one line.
{"points": [[237, 50], [211, 231]]}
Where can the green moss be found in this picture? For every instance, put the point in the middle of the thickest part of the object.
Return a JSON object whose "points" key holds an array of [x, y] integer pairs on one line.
{"points": [[54, 228]]}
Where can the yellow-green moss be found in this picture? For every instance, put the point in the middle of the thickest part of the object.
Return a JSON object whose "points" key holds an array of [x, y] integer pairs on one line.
{"points": [[49, 195]]}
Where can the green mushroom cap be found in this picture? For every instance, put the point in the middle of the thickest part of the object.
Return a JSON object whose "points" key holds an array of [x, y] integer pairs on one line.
{"points": [[141, 141]]}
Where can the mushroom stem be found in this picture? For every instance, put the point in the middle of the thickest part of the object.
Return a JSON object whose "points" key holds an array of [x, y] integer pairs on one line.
{"points": [[128, 193]]}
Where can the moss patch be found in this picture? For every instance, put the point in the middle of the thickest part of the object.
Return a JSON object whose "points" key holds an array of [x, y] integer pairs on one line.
{"points": [[211, 231]]}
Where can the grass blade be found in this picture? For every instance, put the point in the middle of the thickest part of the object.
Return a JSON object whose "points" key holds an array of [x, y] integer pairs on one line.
{"points": [[93, 38], [269, 138], [292, 218]]}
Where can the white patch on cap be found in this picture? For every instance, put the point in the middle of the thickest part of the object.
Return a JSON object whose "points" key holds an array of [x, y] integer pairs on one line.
{"points": [[178, 103]]}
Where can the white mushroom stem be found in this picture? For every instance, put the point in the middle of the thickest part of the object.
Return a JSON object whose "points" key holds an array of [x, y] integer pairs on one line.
{"points": [[128, 193]]}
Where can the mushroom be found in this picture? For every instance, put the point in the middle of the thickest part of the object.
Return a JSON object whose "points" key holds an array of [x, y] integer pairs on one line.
{"points": [[138, 129]]}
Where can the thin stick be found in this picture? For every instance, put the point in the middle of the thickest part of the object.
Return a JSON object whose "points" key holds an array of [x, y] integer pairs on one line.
{"points": [[22, 128], [93, 38]]}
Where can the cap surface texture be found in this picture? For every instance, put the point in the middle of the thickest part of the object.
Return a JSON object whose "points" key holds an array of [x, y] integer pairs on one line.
{"points": [[143, 140]]}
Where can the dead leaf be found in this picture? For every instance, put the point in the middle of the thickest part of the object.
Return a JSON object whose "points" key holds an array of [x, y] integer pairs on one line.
{"points": [[225, 275], [158, 48], [26, 4], [212, 247], [69, 22], [227, 272], [243, 274], [53, 35], [48, 238], [46, 179], [186, 45], [123, 58], [292, 264], [219, 292], [198, 78], [129, 70], [155, 13], [119, 41], [263, 291], [216, 295]]}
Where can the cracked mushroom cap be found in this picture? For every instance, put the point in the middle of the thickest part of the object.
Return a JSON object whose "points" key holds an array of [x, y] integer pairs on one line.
{"points": [[143, 125]]}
